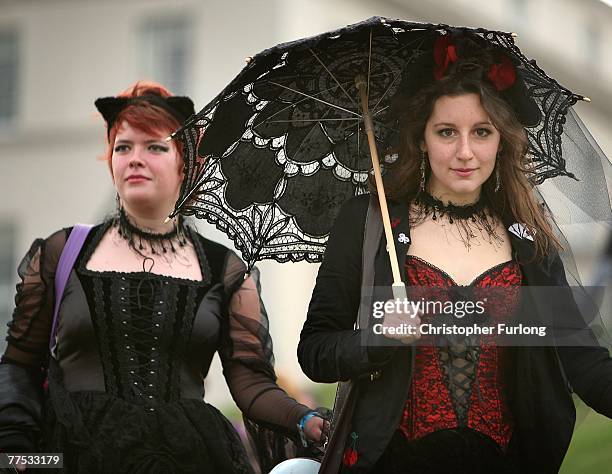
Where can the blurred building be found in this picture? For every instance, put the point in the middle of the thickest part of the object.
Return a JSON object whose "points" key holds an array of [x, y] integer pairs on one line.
{"points": [[57, 56]]}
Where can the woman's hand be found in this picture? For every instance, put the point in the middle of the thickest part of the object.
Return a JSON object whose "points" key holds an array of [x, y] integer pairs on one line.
{"points": [[401, 323], [315, 427]]}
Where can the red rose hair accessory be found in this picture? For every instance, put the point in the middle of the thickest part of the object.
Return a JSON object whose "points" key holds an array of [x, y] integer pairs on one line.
{"points": [[445, 53], [502, 75]]}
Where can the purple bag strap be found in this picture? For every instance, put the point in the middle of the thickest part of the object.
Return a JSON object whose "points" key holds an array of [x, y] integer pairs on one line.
{"points": [[73, 246]]}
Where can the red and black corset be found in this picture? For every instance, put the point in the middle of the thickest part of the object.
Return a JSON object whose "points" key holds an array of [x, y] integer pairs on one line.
{"points": [[457, 380]]}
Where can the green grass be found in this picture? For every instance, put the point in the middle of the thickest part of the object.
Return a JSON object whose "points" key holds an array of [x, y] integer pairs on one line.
{"points": [[591, 449]]}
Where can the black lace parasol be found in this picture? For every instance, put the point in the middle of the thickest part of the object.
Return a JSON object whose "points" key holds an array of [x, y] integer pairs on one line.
{"points": [[272, 158]]}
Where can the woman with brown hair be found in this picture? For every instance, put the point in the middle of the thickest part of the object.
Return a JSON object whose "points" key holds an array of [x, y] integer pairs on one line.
{"points": [[465, 220], [146, 306]]}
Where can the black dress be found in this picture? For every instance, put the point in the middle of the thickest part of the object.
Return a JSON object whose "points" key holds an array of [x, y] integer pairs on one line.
{"points": [[125, 388]]}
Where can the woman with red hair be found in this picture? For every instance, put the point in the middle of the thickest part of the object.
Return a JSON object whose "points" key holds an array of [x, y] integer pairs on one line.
{"points": [[145, 307]]}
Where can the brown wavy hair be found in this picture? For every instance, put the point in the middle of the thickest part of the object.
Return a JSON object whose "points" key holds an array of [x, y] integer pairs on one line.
{"points": [[515, 201]]}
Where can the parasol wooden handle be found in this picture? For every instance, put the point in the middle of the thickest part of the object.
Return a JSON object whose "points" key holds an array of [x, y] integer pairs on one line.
{"points": [[399, 290]]}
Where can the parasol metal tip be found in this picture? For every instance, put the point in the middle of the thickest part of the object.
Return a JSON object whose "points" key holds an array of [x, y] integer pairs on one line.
{"points": [[168, 138], [514, 34], [586, 99], [167, 219], [248, 59]]}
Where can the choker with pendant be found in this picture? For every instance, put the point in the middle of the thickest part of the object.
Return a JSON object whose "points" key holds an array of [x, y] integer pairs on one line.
{"points": [[149, 242], [466, 218]]}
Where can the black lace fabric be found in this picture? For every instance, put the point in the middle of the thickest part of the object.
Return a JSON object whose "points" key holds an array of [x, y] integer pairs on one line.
{"points": [[580, 210], [23, 363], [28, 334], [101, 433], [126, 384], [273, 157]]}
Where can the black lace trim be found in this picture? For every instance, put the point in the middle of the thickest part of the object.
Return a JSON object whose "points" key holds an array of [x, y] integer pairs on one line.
{"points": [[454, 212], [465, 219], [103, 336], [139, 239], [91, 246]]}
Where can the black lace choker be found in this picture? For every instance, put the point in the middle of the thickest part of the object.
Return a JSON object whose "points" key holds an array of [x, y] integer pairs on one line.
{"points": [[141, 240], [466, 219], [439, 209]]}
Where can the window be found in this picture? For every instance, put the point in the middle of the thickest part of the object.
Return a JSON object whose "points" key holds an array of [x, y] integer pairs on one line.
{"points": [[165, 46], [8, 75], [8, 273], [592, 43]]}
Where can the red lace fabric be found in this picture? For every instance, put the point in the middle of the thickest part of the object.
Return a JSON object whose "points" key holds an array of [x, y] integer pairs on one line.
{"points": [[459, 384]]}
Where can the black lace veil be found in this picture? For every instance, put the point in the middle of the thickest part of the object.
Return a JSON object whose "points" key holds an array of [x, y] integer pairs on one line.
{"points": [[582, 217]]}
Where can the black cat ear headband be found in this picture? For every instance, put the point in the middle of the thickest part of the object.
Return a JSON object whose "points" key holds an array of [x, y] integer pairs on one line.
{"points": [[179, 107]]}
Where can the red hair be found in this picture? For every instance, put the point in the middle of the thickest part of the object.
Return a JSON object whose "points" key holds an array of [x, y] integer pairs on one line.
{"points": [[143, 116]]}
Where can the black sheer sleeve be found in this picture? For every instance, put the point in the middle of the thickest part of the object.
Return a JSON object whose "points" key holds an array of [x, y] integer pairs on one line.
{"points": [[24, 361], [248, 366]]}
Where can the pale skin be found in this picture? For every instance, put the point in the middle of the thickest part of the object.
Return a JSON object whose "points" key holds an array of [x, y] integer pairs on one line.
{"points": [[462, 144], [147, 175]]}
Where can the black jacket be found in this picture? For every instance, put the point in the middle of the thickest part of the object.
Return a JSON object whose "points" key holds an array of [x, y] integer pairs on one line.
{"points": [[542, 378]]}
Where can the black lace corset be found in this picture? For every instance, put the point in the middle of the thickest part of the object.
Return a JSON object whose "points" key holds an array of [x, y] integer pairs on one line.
{"points": [[143, 324]]}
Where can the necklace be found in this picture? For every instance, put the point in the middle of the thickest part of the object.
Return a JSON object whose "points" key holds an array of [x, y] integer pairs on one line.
{"points": [[469, 211], [465, 219], [141, 240], [146, 244]]}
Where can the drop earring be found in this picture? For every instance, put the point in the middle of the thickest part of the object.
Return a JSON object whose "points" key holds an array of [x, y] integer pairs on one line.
{"points": [[497, 176], [118, 205], [423, 165]]}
